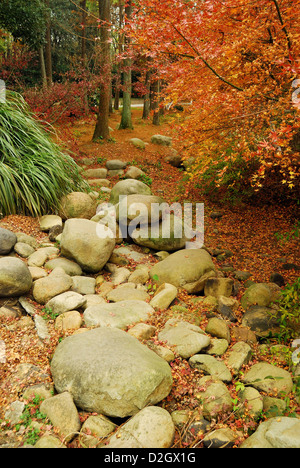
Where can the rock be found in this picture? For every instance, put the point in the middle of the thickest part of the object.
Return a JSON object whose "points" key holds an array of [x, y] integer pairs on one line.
{"points": [[120, 276], [214, 397], [144, 209], [37, 273], [142, 331], [268, 378], [71, 268], [187, 269], [218, 287], [161, 140], [49, 441], [167, 234], [83, 285], [15, 277], [14, 412], [123, 293], [88, 243], [261, 320], [152, 427], [68, 321], [138, 143], [242, 275], [24, 250], [65, 302], [212, 366], [187, 339], [40, 256], [252, 402], [121, 314], [54, 232], [276, 432], [77, 205], [63, 414], [94, 429], [262, 294], [130, 253], [239, 354], [115, 164], [128, 187], [99, 173], [24, 238], [107, 371], [134, 173], [278, 279], [220, 438], [140, 275], [8, 240], [49, 221], [217, 347], [219, 328], [92, 300], [45, 289], [164, 296], [174, 159]]}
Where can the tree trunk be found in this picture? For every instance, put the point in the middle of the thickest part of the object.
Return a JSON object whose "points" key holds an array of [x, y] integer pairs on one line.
{"points": [[146, 109], [102, 125], [48, 48], [156, 92], [118, 78], [43, 67], [83, 51], [126, 121]]}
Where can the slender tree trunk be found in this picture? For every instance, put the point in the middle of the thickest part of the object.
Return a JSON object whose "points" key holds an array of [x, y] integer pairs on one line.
{"points": [[102, 125], [118, 78], [146, 109], [126, 121], [43, 67], [48, 48], [83, 51], [156, 92]]}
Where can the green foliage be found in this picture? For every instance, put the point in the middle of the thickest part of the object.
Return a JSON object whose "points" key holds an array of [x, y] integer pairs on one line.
{"points": [[288, 315], [287, 236], [235, 185], [24, 20], [34, 172]]}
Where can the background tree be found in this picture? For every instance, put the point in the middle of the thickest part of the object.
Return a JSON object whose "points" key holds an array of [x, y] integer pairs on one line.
{"points": [[126, 121], [102, 126]]}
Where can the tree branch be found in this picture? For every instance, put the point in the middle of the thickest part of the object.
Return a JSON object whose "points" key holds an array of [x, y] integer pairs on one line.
{"points": [[282, 23]]}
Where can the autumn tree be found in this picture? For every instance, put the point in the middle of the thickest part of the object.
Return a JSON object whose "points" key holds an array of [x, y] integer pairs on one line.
{"points": [[126, 121], [102, 125], [236, 62]]}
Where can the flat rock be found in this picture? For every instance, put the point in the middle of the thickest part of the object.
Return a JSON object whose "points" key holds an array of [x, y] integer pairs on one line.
{"points": [[268, 378], [70, 267], [186, 338], [45, 289], [49, 221], [65, 302], [283, 432], [124, 293], [212, 366], [117, 315]]}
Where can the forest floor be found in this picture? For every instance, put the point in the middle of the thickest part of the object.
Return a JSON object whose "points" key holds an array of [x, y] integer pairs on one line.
{"points": [[261, 237]]}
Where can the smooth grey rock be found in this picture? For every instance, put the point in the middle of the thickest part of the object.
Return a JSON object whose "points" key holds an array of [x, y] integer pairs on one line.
{"points": [[15, 277], [107, 371]]}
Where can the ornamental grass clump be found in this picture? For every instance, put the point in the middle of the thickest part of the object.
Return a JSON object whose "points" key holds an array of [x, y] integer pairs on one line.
{"points": [[34, 171]]}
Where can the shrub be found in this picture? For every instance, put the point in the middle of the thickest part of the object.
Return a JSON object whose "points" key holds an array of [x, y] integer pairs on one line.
{"points": [[34, 172]]}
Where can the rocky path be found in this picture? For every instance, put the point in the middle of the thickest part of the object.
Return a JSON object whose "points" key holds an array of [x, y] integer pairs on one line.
{"points": [[136, 342]]}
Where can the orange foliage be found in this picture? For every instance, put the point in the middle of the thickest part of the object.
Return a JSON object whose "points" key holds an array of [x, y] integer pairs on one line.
{"points": [[237, 61]]}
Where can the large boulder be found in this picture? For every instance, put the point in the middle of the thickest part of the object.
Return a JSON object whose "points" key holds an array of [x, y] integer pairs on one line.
{"points": [[269, 378], [188, 269], [128, 187], [161, 140], [15, 277], [283, 432], [141, 207], [77, 205], [88, 243], [108, 371], [7, 241]]}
